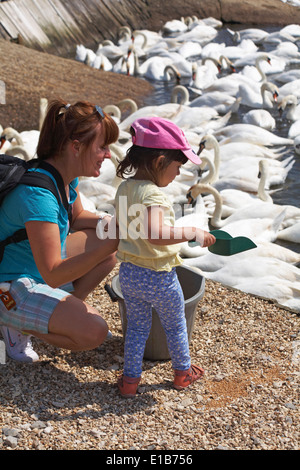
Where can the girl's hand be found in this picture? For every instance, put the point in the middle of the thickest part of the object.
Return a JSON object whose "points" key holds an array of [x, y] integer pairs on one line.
{"points": [[205, 238]]}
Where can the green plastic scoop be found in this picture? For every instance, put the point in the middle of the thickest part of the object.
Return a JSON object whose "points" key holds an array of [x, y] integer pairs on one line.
{"points": [[226, 245]]}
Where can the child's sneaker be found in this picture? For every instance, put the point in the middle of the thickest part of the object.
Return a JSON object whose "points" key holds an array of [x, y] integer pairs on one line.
{"points": [[183, 378], [18, 345], [128, 386]]}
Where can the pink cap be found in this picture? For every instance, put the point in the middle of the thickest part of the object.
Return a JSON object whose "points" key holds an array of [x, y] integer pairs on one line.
{"points": [[159, 133]]}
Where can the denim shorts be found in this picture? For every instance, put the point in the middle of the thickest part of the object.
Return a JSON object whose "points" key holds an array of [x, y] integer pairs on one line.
{"points": [[35, 303]]}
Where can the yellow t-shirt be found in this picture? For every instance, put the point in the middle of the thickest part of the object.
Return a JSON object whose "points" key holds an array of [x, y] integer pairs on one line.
{"points": [[132, 199]]}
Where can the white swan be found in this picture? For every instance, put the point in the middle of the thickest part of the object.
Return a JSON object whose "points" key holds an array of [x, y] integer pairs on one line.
{"points": [[221, 102], [290, 103], [245, 207], [255, 34], [42, 111], [265, 98], [290, 234], [261, 118], [250, 133], [267, 277], [26, 139], [230, 83], [243, 168]]}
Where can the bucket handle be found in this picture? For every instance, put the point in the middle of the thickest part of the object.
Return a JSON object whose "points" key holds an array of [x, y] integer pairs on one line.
{"points": [[114, 297]]}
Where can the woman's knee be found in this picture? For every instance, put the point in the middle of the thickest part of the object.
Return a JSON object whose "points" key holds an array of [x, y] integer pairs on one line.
{"points": [[79, 322]]}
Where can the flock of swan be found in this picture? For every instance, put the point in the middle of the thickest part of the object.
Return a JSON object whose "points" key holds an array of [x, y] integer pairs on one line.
{"points": [[243, 161]]}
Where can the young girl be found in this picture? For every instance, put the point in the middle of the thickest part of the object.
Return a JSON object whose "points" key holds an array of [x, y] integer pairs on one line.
{"points": [[149, 246]]}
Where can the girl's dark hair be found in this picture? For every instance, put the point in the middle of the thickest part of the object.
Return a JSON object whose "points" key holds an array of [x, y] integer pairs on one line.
{"points": [[64, 122], [145, 157]]}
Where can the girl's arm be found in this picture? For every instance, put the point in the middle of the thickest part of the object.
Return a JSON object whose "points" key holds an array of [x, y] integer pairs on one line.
{"points": [[161, 234]]}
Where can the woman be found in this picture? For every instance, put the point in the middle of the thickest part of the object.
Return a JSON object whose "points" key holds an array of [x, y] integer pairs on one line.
{"points": [[52, 272]]}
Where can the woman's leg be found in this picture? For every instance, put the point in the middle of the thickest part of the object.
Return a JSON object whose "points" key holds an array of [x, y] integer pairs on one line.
{"points": [[74, 325], [82, 242]]}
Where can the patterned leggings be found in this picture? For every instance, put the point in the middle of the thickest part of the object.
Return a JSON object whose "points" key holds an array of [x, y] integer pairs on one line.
{"points": [[143, 288]]}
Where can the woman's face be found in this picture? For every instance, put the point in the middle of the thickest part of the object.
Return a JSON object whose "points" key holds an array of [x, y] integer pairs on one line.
{"points": [[95, 155]]}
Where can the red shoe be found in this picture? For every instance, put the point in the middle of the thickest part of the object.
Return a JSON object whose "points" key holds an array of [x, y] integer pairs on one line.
{"points": [[128, 386], [183, 378]]}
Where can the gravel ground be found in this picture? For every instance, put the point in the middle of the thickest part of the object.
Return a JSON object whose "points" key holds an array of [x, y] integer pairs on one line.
{"points": [[248, 400]]}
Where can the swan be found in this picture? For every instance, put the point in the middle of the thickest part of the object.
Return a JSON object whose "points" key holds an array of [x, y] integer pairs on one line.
{"points": [[230, 84], [111, 50], [261, 118], [18, 151], [223, 203], [251, 274], [294, 130], [221, 102], [174, 26], [203, 75], [42, 111], [260, 60], [153, 68], [290, 88], [251, 133], [167, 110], [255, 34], [245, 206], [297, 144], [288, 76], [189, 49], [99, 193], [290, 103], [202, 34], [250, 97], [245, 168], [290, 234], [26, 139], [113, 111]]}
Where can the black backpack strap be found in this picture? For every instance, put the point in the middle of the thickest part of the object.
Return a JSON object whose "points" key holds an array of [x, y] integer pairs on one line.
{"points": [[42, 180], [16, 237]]}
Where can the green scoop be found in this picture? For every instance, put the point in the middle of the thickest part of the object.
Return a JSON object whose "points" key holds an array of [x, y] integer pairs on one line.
{"points": [[226, 245]]}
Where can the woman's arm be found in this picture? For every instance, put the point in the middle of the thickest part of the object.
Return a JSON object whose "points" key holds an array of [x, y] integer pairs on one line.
{"points": [[45, 244], [83, 219], [161, 234]]}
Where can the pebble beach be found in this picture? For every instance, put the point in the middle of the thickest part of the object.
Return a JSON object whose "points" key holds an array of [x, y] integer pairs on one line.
{"points": [[247, 400]]}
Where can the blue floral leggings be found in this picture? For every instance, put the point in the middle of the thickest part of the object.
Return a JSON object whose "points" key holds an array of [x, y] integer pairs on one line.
{"points": [[143, 288]]}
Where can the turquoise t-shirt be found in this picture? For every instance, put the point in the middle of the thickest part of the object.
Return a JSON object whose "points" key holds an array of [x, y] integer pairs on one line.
{"points": [[21, 205]]}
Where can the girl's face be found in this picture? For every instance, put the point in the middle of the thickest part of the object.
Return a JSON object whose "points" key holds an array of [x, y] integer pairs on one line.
{"points": [[95, 155], [168, 174]]}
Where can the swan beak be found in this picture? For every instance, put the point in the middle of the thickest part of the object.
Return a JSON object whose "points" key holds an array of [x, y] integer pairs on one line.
{"points": [[201, 147], [233, 69], [219, 68], [178, 78], [275, 96], [2, 141], [190, 199], [269, 60]]}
